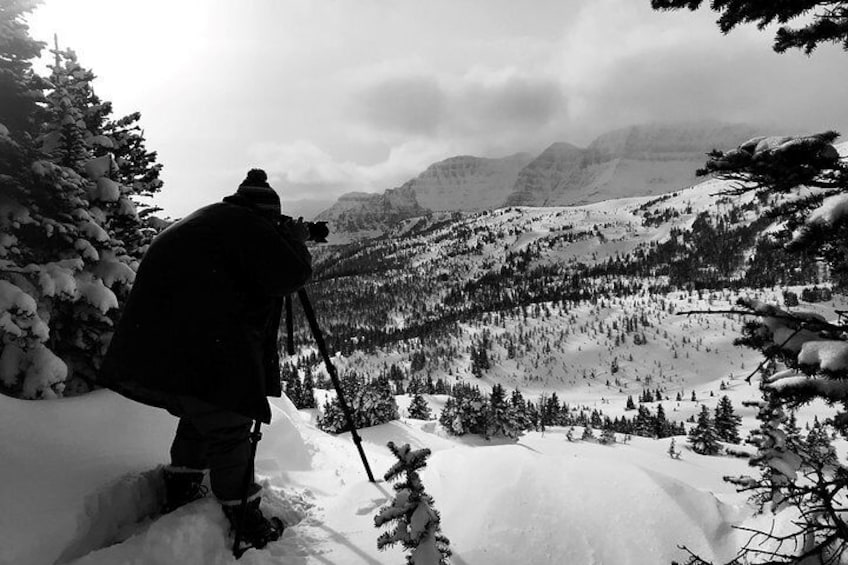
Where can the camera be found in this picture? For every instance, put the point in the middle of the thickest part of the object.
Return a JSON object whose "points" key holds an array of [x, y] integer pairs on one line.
{"points": [[317, 231]]}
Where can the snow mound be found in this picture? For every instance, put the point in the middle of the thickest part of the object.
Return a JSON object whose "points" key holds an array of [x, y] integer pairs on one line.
{"points": [[81, 486], [79, 473], [196, 534], [566, 508], [114, 511]]}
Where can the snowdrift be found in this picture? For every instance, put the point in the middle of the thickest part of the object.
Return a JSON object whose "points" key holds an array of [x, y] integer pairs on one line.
{"points": [[79, 473], [79, 477]]}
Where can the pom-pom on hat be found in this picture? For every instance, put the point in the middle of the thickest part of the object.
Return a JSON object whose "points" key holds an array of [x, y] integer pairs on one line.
{"points": [[255, 191]]}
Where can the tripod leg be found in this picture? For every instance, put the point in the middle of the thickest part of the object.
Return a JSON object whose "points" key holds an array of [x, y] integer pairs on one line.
{"points": [[255, 436], [331, 370], [289, 326]]}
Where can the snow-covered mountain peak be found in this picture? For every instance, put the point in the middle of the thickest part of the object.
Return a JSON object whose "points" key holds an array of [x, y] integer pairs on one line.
{"points": [[644, 141], [467, 182], [639, 160]]}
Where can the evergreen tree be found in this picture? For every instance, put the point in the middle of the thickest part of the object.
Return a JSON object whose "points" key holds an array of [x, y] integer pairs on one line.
{"points": [[417, 362], [377, 404], [588, 433], [520, 407], [414, 386], [595, 419], [703, 437], [607, 436], [534, 417], [450, 418], [630, 405], [726, 421], [25, 332], [294, 389], [551, 410], [430, 387], [811, 172], [780, 460], [480, 362], [821, 21], [416, 522], [818, 447], [661, 423], [331, 418], [65, 267], [441, 387], [644, 424], [21, 93], [504, 419], [419, 409], [397, 376], [474, 411], [372, 403], [467, 412], [307, 393], [792, 431]]}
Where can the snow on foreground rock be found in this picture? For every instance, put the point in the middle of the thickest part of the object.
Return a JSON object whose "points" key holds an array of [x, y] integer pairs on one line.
{"points": [[78, 473]]}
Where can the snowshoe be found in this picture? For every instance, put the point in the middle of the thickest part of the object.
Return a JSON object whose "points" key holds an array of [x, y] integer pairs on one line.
{"points": [[182, 485], [253, 529]]}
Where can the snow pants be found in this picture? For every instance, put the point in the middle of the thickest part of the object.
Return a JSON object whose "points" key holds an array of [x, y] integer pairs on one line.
{"points": [[211, 438]]}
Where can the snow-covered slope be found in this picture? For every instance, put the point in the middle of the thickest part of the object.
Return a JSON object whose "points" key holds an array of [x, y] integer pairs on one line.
{"points": [[78, 473], [511, 273]]}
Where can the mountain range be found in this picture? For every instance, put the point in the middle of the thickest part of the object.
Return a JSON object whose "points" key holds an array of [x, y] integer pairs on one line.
{"points": [[634, 161]]}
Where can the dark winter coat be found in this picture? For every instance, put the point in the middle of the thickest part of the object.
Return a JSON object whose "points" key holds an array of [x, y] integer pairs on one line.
{"points": [[203, 314]]}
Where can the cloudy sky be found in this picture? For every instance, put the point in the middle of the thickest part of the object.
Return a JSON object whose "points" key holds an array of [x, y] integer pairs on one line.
{"points": [[334, 96]]}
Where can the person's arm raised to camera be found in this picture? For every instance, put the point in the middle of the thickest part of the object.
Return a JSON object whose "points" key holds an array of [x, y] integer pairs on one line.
{"points": [[280, 264]]}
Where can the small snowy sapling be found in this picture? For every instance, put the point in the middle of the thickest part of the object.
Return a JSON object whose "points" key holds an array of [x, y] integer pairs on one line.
{"points": [[673, 452], [414, 519]]}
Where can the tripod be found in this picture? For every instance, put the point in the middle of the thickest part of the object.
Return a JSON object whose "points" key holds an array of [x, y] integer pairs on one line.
{"points": [[256, 435], [331, 369]]}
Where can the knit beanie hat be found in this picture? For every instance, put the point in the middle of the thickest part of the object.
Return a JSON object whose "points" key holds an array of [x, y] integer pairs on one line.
{"points": [[255, 192]]}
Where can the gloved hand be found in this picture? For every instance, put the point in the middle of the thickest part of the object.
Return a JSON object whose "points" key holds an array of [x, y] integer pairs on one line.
{"points": [[295, 230]]}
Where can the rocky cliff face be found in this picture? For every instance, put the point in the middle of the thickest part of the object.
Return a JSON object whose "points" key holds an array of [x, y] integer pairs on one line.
{"points": [[468, 183], [364, 212], [539, 183], [634, 161], [461, 183], [670, 141]]}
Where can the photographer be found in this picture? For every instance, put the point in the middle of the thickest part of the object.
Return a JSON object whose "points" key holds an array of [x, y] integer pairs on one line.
{"points": [[198, 337]]}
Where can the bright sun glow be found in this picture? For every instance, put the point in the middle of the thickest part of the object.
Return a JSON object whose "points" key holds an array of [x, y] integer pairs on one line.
{"points": [[138, 31]]}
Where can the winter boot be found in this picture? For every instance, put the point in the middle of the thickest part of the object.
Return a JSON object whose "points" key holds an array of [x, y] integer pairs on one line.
{"points": [[182, 485], [255, 530]]}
